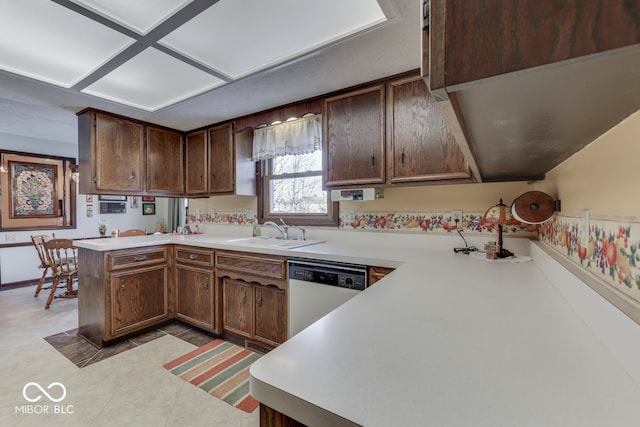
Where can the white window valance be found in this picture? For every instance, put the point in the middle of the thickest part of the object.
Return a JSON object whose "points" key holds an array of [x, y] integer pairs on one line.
{"points": [[300, 136]]}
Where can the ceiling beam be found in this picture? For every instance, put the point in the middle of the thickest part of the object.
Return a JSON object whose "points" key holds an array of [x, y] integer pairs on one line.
{"points": [[143, 41]]}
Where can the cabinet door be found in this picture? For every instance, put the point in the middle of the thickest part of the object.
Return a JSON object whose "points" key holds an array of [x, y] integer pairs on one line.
{"points": [[221, 160], [195, 296], [354, 132], [270, 314], [420, 145], [197, 170], [165, 162], [138, 299], [237, 297], [471, 47], [118, 155]]}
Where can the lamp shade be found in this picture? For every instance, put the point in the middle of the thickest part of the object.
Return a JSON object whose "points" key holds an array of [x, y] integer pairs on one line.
{"points": [[499, 214]]}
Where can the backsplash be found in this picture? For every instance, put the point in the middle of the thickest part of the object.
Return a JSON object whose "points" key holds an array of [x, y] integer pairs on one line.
{"points": [[412, 222], [425, 222], [216, 217], [612, 253]]}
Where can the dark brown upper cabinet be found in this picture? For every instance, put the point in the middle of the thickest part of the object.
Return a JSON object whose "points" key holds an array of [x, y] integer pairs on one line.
{"points": [[392, 133], [196, 164], [523, 96], [165, 162], [420, 146], [231, 170], [533, 33], [221, 160], [354, 132], [111, 152]]}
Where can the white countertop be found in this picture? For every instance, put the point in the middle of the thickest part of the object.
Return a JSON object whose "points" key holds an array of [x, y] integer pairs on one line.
{"points": [[449, 340], [445, 340]]}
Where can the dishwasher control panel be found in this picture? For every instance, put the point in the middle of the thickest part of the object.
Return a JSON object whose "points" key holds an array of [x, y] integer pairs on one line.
{"points": [[349, 276]]}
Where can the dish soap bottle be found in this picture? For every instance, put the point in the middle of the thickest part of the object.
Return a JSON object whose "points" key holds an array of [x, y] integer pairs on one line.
{"points": [[256, 229]]}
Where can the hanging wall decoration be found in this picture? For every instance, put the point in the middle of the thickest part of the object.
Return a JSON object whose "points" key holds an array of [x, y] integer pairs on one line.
{"points": [[33, 190], [38, 191]]}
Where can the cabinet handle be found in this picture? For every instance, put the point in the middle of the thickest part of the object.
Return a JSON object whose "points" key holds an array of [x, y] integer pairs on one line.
{"points": [[402, 156], [95, 179], [122, 287], [373, 157], [425, 15], [133, 174], [139, 258], [244, 298], [213, 177], [193, 257], [156, 176], [206, 284], [260, 300]]}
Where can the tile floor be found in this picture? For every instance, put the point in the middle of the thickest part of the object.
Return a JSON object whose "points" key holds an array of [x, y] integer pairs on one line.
{"points": [[126, 389], [82, 354]]}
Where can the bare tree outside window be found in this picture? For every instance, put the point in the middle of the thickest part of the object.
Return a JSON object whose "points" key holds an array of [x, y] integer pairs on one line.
{"points": [[296, 185]]}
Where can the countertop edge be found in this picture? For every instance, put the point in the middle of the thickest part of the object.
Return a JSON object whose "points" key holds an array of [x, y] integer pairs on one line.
{"points": [[296, 408]]}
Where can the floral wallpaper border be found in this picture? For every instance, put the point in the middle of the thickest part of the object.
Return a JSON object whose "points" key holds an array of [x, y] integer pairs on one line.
{"points": [[430, 222], [611, 254], [413, 222], [225, 218]]}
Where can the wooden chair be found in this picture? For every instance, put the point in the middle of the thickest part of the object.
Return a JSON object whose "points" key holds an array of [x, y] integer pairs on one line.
{"points": [[133, 232], [62, 257], [38, 242]]}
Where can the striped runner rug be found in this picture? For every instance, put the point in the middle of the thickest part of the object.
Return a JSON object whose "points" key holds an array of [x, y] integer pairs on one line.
{"points": [[221, 369]]}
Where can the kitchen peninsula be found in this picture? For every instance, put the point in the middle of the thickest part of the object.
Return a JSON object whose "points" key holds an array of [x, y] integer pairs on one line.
{"points": [[446, 339]]}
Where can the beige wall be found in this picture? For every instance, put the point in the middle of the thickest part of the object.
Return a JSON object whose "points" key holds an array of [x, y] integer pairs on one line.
{"points": [[441, 198], [223, 204], [432, 198], [603, 177]]}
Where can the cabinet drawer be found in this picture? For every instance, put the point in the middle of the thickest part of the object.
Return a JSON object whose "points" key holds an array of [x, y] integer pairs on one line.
{"points": [[267, 266], [194, 256], [127, 258]]}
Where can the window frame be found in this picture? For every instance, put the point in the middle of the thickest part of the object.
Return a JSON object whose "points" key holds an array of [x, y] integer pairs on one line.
{"points": [[331, 218]]}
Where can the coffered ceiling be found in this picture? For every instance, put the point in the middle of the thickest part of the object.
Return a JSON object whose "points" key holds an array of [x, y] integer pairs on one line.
{"points": [[189, 63]]}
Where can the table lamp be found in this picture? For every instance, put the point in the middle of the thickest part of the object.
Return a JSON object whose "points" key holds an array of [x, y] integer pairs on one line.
{"points": [[499, 215]]}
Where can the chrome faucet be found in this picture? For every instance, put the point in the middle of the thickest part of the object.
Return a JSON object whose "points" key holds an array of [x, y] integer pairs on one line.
{"points": [[303, 232], [284, 229]]}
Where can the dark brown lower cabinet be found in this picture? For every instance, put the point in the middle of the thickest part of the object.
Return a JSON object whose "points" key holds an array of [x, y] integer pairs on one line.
{"points": [[122, 291], [138, 299], [237, 300], [269, 417], [377, 273], [125, 291], [254, 296], [270, 314], [196, 289], [254, 311]]}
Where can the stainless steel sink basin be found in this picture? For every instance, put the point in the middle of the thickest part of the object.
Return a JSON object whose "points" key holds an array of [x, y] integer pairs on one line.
{"points": [[272, 242]]}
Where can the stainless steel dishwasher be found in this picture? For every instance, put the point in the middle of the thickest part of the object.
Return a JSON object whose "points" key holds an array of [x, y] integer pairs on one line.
{"points": [[318, 287]]}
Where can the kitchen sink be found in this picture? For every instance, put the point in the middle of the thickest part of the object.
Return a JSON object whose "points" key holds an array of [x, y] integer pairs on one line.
{"points": [[272, 242]]}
